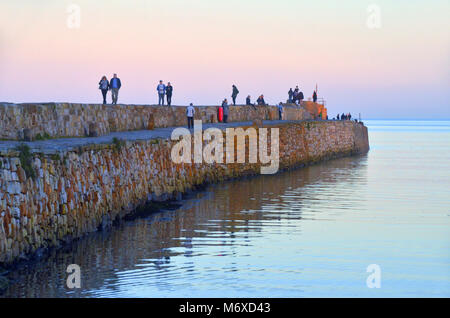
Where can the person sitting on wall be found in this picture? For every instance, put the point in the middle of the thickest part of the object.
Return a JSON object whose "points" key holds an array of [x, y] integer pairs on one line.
{"points": [[248, 102], [261, 101]]}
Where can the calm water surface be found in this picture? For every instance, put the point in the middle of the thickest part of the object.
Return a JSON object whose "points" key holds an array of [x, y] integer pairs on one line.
{"points": [[309, 232]]}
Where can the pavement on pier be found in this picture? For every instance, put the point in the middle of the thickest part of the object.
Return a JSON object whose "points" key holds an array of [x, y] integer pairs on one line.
{"points": [[51, 146]]}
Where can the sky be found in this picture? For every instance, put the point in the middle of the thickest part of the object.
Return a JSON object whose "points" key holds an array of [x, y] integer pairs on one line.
{"points": [[382, 59]]}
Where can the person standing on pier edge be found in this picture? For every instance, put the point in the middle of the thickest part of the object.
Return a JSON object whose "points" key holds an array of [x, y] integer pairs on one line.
{"points": [[300, 97], [314, 97], [115, 85], [190, 111], [161, 89], [103, 85], [234, 94], [290, 94], [295, 95], [225, 108], [169, 90], [280, 110]]}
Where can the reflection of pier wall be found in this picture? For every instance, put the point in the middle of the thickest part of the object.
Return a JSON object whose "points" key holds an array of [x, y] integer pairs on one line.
{"points": [[76, 193]]}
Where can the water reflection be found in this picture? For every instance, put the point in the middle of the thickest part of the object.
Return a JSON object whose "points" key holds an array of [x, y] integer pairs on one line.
{"points": [[197, 244]]}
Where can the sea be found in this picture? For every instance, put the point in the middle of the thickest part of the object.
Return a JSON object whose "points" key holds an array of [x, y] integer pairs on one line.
{"points": [[374, 225]]}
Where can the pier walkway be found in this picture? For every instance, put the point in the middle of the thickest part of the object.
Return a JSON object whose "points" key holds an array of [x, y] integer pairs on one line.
{"points": [[54, 145]]}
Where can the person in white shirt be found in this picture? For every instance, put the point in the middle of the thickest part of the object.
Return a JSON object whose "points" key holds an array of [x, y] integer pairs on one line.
{"points": [[161, 89], [190, 111]]}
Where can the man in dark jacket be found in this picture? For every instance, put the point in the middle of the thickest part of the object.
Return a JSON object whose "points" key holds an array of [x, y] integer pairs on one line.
{"points": [[261, 101], [225, 108], [300, 97], [115, 85], [248, 102], [169, 90], [234, 94], [290, 94]]}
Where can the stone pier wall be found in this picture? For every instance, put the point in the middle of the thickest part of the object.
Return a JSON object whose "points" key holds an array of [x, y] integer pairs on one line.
{"points": [[29, 121], [76, 192]]}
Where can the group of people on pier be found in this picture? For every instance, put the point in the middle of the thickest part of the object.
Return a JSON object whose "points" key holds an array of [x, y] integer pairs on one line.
{"points": [[347, 116], [165, 92], [114, 85]]}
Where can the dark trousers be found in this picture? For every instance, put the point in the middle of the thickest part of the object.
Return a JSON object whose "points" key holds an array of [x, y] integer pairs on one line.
{"points": [[104, 92], [225, 118], [169, 99], [234, 100], [280, 113], [190, 122], [161, 99]]}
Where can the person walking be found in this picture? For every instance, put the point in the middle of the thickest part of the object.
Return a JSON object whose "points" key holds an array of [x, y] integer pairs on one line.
{"points": [[115, 84], [234, 94], [169, 90], [161, 89], [190, 111], [225, 108], [103, 85], [314, 97], [290, 94], [280, 110]]}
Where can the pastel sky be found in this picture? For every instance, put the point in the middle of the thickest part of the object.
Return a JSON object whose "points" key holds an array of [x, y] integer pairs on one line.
{"points": [[399, 70]]}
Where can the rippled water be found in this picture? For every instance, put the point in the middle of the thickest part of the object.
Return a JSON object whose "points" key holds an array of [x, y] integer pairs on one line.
{"points": [[309, 232]]}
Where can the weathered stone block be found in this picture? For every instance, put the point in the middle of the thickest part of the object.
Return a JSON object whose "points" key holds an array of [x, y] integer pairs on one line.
{"points": [[94, 130], [151, 122], [27, 134]]}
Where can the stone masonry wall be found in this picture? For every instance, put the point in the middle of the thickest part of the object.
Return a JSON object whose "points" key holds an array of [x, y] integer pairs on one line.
{"points": [[26, 121], [79, 191]]}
